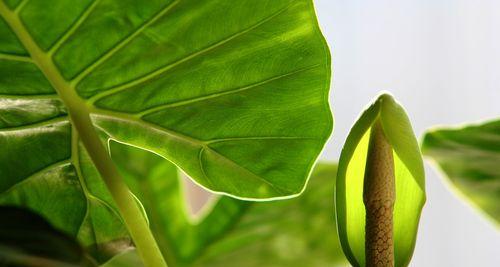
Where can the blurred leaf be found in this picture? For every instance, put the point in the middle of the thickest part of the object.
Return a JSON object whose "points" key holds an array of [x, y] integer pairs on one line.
{"points": [[409, 174], [469, 156], [28, 240], [288, 233]]}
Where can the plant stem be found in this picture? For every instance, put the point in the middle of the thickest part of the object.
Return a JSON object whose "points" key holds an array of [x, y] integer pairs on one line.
{"points": [[379, 197], [80, 117]]}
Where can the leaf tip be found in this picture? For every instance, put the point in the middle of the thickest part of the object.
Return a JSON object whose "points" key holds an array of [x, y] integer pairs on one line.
{"points": [[385, 96]]}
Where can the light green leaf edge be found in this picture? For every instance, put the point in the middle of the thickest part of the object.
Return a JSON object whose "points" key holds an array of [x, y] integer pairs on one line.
{"points": [[399, 133], [468, 156]]}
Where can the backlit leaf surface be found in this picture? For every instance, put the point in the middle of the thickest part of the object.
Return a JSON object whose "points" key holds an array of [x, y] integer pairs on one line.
{"points": [[234, 93]]}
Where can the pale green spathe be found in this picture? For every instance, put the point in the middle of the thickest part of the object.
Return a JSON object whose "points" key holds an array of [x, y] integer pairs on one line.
{"points": [[409, 174]]}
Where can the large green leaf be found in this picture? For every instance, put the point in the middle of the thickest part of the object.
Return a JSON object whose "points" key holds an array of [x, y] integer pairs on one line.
{"points": [[234, 93], [409, 175], [470, 157], [28, 240], [294, 232]]}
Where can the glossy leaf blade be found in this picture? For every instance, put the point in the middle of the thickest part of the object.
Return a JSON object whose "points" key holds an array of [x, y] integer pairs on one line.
{"points": [[294, 232], [213, 86], [469, 157], [409, 175], [222, 89]]}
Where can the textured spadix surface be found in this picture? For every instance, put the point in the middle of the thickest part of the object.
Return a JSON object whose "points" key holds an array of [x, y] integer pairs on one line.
{"points": [[233, 92], [469, 156], [409, 178]]}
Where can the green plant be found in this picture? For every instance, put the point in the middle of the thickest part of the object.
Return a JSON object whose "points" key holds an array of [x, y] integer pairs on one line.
{"points": [[230, 230], [104, 102], [235, 95], [468, 156], [380, 188]]}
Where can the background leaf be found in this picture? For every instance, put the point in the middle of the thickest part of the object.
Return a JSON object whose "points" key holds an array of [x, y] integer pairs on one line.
{"points": [[469, 156], [28, 240], [294, 232], [409, 174]]}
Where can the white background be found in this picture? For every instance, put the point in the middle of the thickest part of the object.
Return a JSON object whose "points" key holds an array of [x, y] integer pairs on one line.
{"points": [[441, 60]]}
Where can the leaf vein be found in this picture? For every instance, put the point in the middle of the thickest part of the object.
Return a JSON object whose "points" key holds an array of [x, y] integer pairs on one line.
{"points": [[30, 97], [152, 75], [36, 173], [74, 27], [18, 9], [200, 163], [13, 57], [221, 93], [252, 174], [75, 160], [258, 138], [122, 43], [163, 130], [40, 124]]}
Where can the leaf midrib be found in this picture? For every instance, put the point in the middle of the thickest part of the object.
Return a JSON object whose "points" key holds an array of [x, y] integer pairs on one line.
{"points": [[77, 108], [76, 105]]}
